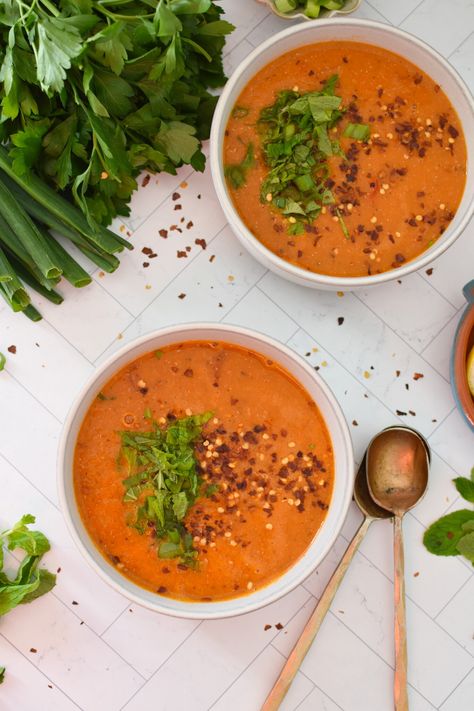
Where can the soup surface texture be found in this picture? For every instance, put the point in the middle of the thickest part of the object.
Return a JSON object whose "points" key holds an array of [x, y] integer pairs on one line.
{"points": [[264, 457], [394, 193]]}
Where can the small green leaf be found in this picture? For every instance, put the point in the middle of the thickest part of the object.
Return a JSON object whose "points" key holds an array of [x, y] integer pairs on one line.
{"points": [[168, 549], [466, 546], [465, 487], [159, 354], [2, 674], [3, 360], [443, 536]]}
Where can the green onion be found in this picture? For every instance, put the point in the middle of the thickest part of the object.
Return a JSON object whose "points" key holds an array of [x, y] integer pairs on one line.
{"points": [[28, 278], [62, 209], [357, 131], [71, 270], [32, 313], [13, 291], [3, 360], [28, 234], [285, 5]]}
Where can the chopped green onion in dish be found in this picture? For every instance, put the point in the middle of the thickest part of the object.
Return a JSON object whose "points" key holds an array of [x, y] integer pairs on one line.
{"points": [[311, 8], [357, 131]]}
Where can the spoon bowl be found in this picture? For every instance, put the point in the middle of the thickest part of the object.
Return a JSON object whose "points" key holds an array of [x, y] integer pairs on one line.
{"points": [[397, 469]]}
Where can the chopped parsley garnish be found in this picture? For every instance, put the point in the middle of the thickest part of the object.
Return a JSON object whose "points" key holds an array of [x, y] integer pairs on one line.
{"points": [[236, 173], [296, 145], [163, 482]]}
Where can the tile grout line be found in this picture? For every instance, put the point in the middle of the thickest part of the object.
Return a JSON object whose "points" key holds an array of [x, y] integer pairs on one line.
{"points": [[460, 44], [454, 316], [354, 377], [130, 603], [13, 466], [408, 345], [53, 683], [161, 665], [456, 687], [467, 581], [269, 643], [23, 387], [135, 318]]}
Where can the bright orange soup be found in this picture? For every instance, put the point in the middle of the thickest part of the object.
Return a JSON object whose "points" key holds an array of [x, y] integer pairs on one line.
{"points": [[397, 193], [266, 448]]}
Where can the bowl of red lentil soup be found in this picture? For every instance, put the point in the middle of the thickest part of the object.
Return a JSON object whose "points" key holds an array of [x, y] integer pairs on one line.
{"points": [[342, 154], [205, 470]]}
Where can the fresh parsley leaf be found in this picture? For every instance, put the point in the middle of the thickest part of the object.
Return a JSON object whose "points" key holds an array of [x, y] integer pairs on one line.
{"points": [[236, 173], [443, 536], [465, 487], [2, 674], [163, 481], [296, 146]]}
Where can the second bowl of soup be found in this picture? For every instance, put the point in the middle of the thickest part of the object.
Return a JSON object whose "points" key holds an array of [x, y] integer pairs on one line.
{"points": [[340, 152], [205, 471]]}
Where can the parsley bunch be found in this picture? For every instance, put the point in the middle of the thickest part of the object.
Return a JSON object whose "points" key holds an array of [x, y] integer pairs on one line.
{"points": [[163, 479], [453, 534], [94, 91]]}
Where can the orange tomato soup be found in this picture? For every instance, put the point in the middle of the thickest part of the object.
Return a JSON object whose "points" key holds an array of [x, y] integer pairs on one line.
{"points": [[265, 451], [396, 193]]}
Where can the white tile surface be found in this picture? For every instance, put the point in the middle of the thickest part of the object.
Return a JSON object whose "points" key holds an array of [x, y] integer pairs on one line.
{"points": [[117, 659]]}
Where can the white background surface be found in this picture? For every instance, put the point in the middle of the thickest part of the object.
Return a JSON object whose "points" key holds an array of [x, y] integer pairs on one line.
{"points": [[95, 651]]}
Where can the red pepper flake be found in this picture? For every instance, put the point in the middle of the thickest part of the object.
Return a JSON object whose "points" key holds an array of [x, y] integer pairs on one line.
{"points": [[162, 589], [400, 413], [178, 207], [397, 373], [163, 233], [449, 535], [189, 225], [417, 376], [147, 250], [212, 257], [418, 78], [11, 349], [188, 248], [279, 626], [355, 423], [221, 306], [182, 296], [181, 254], [146, 180], [415, 575], [146, 264], [267, 627], [188, 373], [175, 196], [429, 271], [201, 243], [412, 413], [340, 320], [33, 650], [58, 570], [74, 602]]}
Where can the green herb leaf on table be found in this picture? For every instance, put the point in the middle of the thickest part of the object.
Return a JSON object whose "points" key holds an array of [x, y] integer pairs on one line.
{"points": [[443, 536], [465, 487], [466, 546], [30, 581], [163, 481], [2, 674]]}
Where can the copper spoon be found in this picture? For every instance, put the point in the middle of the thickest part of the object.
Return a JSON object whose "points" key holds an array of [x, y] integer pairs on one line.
{"points": [[371, 512], [397, 475]]}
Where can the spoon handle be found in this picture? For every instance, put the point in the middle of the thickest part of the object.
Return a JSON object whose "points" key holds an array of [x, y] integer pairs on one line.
{"points": [[400, 681], [293, 663]]}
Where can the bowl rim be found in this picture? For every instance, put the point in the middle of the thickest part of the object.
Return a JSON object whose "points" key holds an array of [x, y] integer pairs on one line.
{"points": [[186, 610], [250, 241], [459, 354]]}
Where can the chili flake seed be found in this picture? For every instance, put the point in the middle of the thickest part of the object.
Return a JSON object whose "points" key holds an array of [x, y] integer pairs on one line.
{"points": [[220, 509], [249, 585], [291, 444], [419, 218], [373, 220], [269, 526], [228, 534], [292, 220], [269, 197], [366, 374], [233, 543], [382, 191], [389, 136], [104, 175], [290, 502], [442, 206]]}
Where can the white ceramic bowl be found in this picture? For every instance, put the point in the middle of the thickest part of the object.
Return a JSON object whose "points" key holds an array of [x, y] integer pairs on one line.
{"points": [[373, 33], [323, 541]]}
